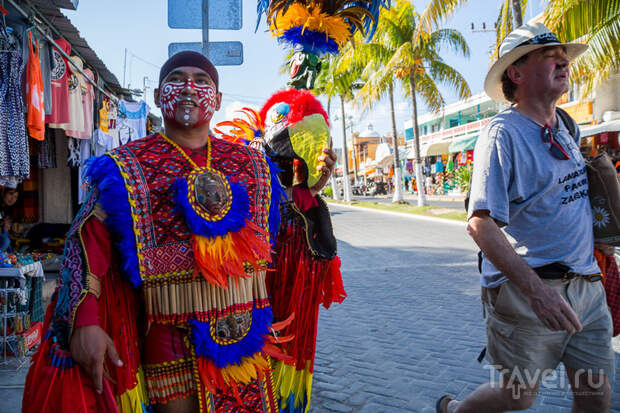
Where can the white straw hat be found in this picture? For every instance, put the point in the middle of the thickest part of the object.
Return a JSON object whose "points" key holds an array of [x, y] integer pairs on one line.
{"points": [[519, 42]]}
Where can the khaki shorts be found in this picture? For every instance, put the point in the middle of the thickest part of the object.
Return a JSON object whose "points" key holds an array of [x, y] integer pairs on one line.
{"points": [[519, 344]]}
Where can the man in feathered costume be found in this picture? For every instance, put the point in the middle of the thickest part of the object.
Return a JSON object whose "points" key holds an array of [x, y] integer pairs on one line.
{"points": [[162, 303]]}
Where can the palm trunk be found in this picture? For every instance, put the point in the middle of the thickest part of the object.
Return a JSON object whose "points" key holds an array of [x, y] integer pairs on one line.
{"points": [[345, 168], [516, 13], [334, 184], [418, 160], [398, 182]]}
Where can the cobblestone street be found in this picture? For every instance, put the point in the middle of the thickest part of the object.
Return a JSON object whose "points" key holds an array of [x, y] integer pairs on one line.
{"points": [[411, 327]]}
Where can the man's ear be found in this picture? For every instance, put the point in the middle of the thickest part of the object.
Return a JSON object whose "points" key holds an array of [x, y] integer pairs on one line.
{"points": [[218, 100], [514, 73], [156, 96]]}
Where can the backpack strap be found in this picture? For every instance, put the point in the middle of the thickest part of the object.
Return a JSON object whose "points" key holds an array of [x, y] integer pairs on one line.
{"points": [[568, 121]]}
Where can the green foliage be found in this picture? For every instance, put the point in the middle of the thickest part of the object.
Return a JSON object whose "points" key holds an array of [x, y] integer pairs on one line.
{"points": [[328, 191], [595, 22], [462, 176]]}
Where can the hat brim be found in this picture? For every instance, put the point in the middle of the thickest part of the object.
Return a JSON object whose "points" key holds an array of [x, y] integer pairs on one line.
{"points": [[493, 80]]}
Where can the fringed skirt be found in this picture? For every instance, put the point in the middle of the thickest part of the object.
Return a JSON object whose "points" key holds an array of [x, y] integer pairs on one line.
{"points": [[171, 373]]}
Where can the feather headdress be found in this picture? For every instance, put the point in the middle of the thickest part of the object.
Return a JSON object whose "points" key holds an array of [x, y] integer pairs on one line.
{"points": [[322, 26]]}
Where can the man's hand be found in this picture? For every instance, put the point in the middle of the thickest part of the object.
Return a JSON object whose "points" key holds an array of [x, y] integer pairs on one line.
{"points": [[89, 346], [553, 311], [329, 158], [547, 303]]}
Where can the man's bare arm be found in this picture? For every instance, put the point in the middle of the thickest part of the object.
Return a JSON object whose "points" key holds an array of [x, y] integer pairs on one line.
{"points": [[547, 303]]}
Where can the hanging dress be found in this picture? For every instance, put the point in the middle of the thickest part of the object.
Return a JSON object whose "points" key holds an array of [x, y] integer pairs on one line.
{"points": [[34, 93], [14, 161]]}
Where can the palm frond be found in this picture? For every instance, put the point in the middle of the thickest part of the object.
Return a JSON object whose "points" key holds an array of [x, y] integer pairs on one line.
{"points": [[452, 38], [449, 76]]}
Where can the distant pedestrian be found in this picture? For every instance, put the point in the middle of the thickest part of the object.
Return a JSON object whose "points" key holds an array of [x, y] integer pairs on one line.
{"points": [[542, 295]]}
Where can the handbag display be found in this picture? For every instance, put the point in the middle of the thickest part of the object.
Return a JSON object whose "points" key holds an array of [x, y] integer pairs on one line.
{"points": [[604, 193]]}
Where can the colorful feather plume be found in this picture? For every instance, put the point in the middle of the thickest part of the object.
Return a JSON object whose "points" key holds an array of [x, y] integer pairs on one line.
{"points": [[226, 366], [320, 26], [241, 130], [222, 248]]}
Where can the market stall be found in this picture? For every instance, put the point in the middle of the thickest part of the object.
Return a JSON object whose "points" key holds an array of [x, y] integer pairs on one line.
{"points": [[62, 106]]}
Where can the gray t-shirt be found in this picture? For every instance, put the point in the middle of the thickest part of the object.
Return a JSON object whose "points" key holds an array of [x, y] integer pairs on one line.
{"points": [[542, 201]]}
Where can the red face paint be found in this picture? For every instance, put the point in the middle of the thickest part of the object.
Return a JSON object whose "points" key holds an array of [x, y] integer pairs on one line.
{"points": [[172, 94]]}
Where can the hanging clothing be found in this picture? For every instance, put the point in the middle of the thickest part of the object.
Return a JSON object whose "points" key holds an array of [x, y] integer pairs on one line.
{"points": [[132, 120], [88, 98], [85, 154], [103, 142], [77, 87], [60, 87], [34, 93], [73, 153], [113, 123], [14, 158], [104, 116], [47, 151], [45, 57]]}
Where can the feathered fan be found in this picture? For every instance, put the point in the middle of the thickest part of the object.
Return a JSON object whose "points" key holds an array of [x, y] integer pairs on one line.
{"points": [[316, 28]]}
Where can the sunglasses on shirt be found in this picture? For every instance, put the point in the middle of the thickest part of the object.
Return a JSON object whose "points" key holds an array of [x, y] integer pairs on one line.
{"points": [[555, 148]]}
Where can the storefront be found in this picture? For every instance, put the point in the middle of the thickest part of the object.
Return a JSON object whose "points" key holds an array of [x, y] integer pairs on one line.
{"points": [[61, 106]]}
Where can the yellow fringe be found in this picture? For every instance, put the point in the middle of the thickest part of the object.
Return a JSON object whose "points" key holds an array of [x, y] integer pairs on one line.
{"points": [[134, 400], [311, 18], [288, 379]]}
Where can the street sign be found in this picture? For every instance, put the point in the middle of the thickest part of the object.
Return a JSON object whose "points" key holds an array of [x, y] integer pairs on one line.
{"points": [[187, 14], [220, 53]]}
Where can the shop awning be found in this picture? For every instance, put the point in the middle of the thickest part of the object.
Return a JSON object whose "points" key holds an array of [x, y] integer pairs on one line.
{"points": [[463, 144], [370, 171], [435, 149]]}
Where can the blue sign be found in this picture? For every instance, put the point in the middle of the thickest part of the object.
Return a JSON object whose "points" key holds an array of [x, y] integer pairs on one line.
{"points": [[187, 14], [220, 53]]}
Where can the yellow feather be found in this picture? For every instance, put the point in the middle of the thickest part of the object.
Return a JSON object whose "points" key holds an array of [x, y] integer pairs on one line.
{"points": [[298, 15]]}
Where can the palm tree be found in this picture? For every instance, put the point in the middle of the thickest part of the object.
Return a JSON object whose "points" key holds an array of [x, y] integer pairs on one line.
{"points": [[595, 22], [371, 58], [332, 82], [415, 61], [324, 85]]}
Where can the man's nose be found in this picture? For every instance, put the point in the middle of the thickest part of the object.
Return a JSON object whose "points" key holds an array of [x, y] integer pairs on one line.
{"points": [[189, 87]]}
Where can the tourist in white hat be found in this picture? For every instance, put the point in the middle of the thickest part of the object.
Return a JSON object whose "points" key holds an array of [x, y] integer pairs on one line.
{"points": [[542, 293]]}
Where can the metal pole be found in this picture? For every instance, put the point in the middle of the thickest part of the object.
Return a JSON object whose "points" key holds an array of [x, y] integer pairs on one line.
{"points": [[205, 28], [125, 68]]}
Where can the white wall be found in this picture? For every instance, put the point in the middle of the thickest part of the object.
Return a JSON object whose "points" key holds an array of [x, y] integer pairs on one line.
{"points": [[607, 98]]}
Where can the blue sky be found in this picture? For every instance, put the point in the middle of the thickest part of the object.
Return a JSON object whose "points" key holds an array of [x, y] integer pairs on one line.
{"points": [[141, 26]]}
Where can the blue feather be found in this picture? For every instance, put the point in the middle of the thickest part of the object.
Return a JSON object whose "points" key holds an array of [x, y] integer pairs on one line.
{"points": [[290, 404], [261, 7], [233, 221], [103, 173], [312, 41], [225, 355], [277, 197]]}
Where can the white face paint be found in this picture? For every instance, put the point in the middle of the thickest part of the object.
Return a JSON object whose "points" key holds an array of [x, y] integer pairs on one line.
{"points": [[171, 96]]}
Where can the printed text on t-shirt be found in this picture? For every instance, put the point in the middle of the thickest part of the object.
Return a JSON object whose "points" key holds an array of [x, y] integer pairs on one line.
{"points": [[573, 187]]}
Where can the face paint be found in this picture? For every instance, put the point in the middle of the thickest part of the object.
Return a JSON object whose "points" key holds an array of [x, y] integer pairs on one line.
{"points": [[171, 96]]}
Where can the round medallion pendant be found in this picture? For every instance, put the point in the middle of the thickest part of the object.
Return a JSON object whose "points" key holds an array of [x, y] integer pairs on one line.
{"points": [[210, 193]]}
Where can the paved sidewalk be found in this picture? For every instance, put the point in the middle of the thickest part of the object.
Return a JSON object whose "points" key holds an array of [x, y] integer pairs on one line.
{"points": [[411, 327]]}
